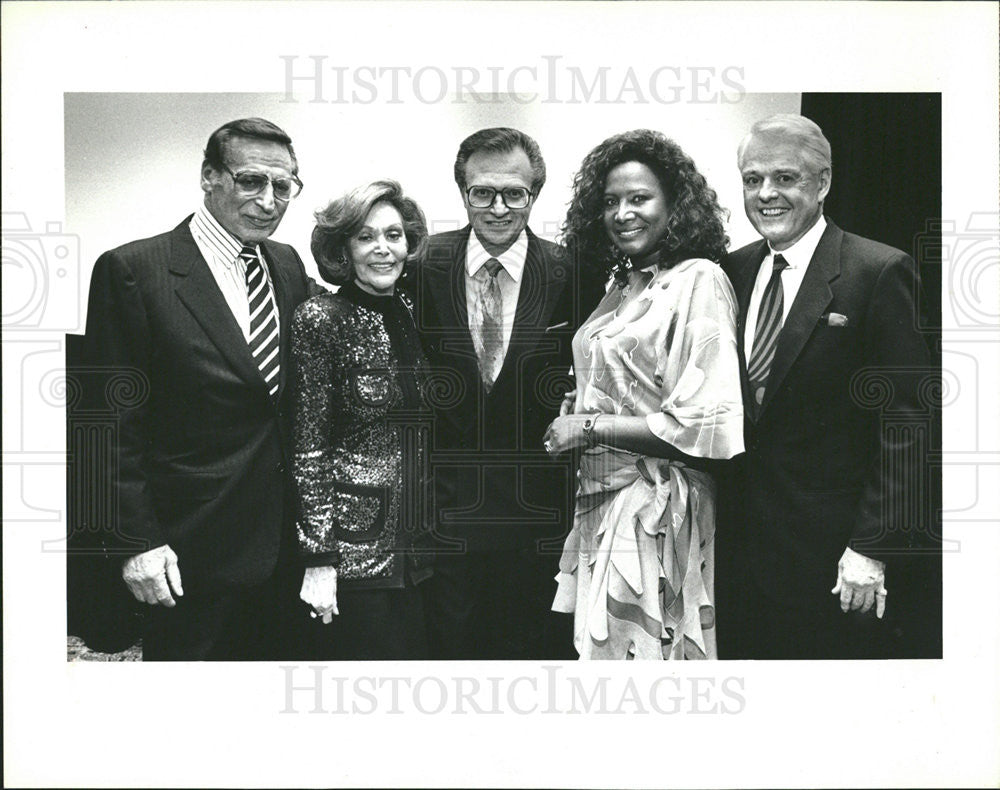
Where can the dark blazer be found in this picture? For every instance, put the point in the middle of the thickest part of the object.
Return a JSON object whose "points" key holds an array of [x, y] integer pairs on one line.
{"points": [[202, 450], [824, 468], [495, 486]]}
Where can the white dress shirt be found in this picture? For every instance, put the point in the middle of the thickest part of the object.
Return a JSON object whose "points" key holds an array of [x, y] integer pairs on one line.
{"points": [[797, 256], [508, 278], [221, 251]]}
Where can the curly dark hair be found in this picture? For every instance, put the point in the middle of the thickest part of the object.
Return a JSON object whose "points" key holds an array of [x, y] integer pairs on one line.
{"points": [[695, 227], [344, 217]]}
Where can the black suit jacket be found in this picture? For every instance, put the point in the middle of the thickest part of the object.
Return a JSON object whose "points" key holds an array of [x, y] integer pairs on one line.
{"points": [[201, 454], [495, 487], [833, 458]]}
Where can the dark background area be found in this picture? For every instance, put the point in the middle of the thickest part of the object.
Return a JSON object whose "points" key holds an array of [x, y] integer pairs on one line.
{"points": [[887, 177], [887, 187]]}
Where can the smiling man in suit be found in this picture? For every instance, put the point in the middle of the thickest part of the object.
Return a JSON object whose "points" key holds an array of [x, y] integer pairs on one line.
{"points": [[497, 310], [820, 312], [201, 314]]}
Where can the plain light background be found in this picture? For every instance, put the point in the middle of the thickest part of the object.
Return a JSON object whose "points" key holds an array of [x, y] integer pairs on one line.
{"points": [[133, 160]]}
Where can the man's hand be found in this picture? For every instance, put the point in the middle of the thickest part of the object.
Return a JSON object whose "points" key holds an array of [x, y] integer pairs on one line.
{"points": [[319, 590], [860, 583], [152, 575]]}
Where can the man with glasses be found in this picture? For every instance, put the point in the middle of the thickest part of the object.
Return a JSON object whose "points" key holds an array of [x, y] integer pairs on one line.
{"points": [[201, 316], [498, 307]]}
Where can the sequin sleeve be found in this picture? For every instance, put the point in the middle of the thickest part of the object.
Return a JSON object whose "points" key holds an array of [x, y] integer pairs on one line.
{"points": [[314, 333]]}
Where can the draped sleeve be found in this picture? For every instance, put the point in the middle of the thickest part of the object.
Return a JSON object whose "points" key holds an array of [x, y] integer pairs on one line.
{"points": [[697, 366]]}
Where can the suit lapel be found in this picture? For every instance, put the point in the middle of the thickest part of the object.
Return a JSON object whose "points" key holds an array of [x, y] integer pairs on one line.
{"points": [[812, 299], [196, 288], [745, 285], [444, 278], [751, 268]]}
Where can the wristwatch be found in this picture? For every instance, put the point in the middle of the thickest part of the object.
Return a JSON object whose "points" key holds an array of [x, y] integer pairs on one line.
{"points": [[588, 430]]}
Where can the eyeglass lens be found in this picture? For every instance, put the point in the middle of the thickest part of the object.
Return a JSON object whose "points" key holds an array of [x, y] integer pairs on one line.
{"points": [[255, 183], [513, 197]]}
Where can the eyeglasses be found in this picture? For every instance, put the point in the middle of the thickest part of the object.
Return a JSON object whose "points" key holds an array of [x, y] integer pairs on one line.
{"points": [[252, 184], [512, 197]]}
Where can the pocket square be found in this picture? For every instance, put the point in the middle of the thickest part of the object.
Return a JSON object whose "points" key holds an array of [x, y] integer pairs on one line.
{"points": [[833, 319], [557, 326]]}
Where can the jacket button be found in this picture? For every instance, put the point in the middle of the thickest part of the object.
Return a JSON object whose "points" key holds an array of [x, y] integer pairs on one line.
{"points": [[279, 468]]}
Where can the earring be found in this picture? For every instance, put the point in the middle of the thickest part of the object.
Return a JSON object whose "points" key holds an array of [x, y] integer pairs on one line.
{"points": [[620, 267], [343, 266]]}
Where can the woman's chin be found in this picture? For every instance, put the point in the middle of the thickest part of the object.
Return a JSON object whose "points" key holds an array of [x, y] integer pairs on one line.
{"points": [[637, 253]]}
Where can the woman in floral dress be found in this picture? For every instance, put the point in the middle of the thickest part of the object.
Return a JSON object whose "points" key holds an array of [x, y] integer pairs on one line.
{"points": [[657, 403]]}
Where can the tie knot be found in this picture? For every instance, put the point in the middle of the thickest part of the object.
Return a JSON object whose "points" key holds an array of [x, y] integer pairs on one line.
{"points": [[248, 253], [780, 263], [493, 266]]}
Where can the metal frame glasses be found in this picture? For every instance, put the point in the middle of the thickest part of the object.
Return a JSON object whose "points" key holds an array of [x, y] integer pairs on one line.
{"points": [[512, 197], [252, 184]]}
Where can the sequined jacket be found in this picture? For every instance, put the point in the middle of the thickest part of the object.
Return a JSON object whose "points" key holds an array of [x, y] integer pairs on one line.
{"points": [[359, 437]]}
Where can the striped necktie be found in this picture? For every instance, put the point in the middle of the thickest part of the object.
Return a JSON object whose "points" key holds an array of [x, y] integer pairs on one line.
{"points": [[491, 331], [263, 321], [765, 338]]}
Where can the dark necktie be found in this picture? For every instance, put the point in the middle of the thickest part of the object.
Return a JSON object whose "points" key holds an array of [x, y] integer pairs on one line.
{"points": [[491, 330], [263, 321], [765, 338]]}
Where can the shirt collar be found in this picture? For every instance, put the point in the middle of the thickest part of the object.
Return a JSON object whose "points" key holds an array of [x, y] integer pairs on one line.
{"points": [[801, 252], [224, 245], [512, 259]]}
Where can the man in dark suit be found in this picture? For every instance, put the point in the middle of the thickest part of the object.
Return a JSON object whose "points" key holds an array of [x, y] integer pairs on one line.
{"points": [[497, 310], [201, 314], [824, 316]]}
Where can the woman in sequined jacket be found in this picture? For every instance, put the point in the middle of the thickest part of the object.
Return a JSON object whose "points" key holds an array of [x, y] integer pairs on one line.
{"points": [[360, 423]]}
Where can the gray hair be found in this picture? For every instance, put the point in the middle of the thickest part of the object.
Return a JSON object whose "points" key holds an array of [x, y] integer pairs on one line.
{"points": [[805, 133]]}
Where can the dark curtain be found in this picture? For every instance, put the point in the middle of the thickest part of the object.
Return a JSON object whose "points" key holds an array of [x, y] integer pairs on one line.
{"points": [[887, 187], [887, 176]]}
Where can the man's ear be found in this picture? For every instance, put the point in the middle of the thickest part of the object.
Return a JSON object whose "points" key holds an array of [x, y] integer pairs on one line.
{"points": [[825, 179], [208, 177]]}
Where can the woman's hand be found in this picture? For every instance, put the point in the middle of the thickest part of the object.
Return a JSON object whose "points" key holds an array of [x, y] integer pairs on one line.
{"points": [[568, 403], [319, 590], [566, 433]]}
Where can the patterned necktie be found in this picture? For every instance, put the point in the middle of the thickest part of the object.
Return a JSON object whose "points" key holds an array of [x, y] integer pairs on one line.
{"points": [[491, 330], [765, 339], [263, 321]]}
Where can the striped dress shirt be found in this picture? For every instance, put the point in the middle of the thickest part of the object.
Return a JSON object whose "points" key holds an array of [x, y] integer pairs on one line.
{"points": [[221, 251]]}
